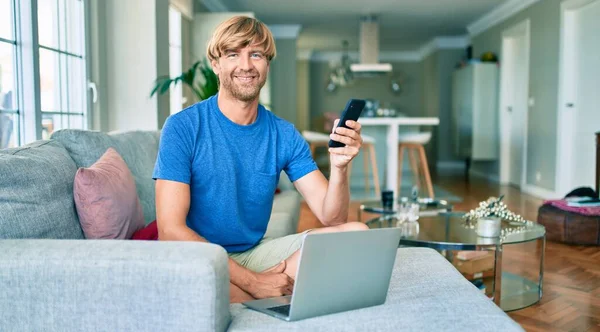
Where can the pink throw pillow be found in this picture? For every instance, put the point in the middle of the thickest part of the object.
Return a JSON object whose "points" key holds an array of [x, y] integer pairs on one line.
{"points": [[106, 199]]}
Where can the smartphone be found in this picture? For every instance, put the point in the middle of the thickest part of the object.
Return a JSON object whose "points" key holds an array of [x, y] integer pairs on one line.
{"points": [[352, 111]]}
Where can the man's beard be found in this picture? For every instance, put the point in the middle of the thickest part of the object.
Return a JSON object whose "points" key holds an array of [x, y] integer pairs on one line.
{"points": [[245, 92]]}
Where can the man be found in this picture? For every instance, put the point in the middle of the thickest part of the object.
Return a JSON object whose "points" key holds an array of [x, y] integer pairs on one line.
{"points": [[219, 163]]}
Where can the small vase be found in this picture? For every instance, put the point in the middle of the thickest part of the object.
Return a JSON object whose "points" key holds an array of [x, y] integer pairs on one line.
{"points": [[488, 227]]}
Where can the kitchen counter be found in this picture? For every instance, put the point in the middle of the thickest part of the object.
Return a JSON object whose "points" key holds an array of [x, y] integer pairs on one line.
{"points": [[406, 121], [392, 125]]}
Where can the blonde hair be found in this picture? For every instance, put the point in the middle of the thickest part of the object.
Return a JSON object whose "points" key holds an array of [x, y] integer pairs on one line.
{"points": [[239, 32]]}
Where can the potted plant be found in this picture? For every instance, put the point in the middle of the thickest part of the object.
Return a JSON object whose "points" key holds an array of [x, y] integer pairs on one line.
{"points": [[488, 217], [200, 78]]}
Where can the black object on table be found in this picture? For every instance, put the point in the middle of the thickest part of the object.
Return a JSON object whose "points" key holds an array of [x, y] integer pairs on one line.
{"points": [[387, 199]]}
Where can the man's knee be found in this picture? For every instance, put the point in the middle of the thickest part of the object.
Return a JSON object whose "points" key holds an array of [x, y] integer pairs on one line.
{"points": [[352, 226]]}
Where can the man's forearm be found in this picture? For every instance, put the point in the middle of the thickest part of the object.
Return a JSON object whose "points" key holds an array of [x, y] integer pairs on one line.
{"points": [[182, 233], [337, 198], [238, 275]]}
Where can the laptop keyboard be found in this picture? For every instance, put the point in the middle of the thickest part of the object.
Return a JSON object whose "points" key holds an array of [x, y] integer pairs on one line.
{"points": [[282, 309]]}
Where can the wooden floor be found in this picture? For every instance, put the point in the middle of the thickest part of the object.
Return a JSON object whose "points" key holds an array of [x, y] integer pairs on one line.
{"points": [[571, 291]]}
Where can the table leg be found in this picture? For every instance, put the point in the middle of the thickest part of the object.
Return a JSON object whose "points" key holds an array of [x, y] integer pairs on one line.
{"points": [[542, 265], [498, 275], [392, 159], [467, 168]]}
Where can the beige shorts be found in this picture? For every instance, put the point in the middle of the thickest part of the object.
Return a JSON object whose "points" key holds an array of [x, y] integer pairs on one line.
{"points": [[269, 252]]}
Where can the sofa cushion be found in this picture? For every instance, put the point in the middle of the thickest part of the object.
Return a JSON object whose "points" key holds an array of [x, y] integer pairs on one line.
{"points": [[36, 193], [426, 294], [148, 233], [284, 215], [138, 149], [106, 199], [284, 182]]}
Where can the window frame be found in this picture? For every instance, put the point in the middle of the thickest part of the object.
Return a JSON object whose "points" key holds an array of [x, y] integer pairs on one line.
{"points": [[14, 42], [25, 16]]}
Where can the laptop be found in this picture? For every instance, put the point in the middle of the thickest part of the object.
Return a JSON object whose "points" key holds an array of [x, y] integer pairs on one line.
{"points": [[337, 272]]}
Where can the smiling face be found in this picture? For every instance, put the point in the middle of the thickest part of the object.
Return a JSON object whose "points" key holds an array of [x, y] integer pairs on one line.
{"points": [[240, 51], [242, 72]]}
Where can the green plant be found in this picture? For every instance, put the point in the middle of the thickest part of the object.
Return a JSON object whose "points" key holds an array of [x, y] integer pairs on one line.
{"points": [[492, 207], [200, 78]]}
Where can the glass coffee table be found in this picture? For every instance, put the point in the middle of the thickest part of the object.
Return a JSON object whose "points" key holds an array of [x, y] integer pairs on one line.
{"points": [[427, 207], [518, 253]]}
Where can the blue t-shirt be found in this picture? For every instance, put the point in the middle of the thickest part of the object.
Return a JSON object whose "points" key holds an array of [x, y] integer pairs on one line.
{"points": [[232, 169]]}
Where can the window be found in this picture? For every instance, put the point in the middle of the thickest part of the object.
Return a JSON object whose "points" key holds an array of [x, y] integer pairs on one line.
{"points": [[43, 69], [175, 59], [9, 110], [62, 65]]}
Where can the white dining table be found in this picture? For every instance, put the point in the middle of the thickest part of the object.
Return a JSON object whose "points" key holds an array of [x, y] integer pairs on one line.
{"points": [[393, 126]]}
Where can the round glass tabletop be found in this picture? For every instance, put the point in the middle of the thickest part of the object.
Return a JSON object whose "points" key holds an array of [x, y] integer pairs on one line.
{"points": [[514, 285], [428, 207], [448, 231]]}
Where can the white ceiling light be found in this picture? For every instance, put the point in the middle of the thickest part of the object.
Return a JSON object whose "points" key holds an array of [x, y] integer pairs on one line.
{"points": [[369, 49]]}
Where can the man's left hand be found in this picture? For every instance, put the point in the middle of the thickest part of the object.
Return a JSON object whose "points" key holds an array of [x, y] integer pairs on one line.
{"points": [[341, 157]]}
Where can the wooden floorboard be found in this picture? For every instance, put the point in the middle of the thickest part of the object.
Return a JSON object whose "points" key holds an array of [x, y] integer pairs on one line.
{"points": [[571, 300]]}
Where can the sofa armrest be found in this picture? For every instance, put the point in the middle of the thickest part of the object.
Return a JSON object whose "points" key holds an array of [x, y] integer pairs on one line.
{"points": [[285, 183], [284, 214], [113, 285]]}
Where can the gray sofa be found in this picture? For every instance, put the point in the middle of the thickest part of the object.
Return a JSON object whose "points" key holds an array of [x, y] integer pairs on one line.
{"points": [[51, 279]]}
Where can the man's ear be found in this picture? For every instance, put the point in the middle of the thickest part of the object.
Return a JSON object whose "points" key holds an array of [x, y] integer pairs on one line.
{"points": [[215, 67]]}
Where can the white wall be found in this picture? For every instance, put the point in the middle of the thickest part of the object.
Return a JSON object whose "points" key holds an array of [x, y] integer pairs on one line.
{"points": [[282, 76], [543, 87], [137, 53], [185, 7]]}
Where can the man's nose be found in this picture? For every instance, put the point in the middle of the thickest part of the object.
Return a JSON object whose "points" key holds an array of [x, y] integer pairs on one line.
{"points": [[245, 63]]}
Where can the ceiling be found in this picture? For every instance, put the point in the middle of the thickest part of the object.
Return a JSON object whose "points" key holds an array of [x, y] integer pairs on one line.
{"points": [[404, 24]]}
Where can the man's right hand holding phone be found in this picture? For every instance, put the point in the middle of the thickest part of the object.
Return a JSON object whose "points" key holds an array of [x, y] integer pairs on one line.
{"points": [[341, 157]]}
